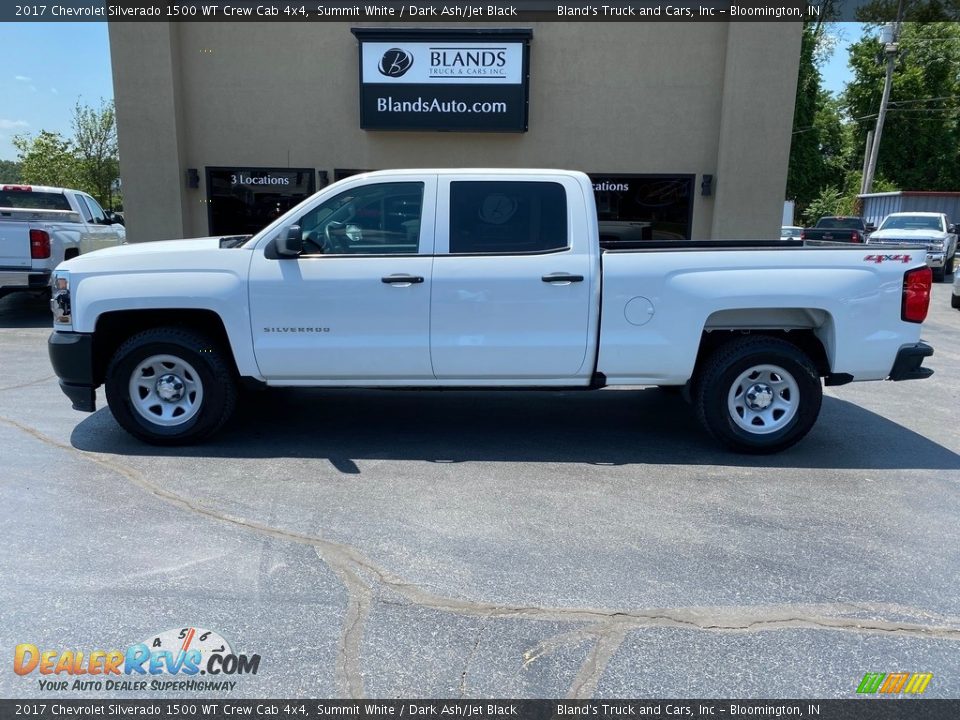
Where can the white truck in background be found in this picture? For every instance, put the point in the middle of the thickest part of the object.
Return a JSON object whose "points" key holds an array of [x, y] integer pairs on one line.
{"points": [[482, 279], [928, 229], [42, 226]]}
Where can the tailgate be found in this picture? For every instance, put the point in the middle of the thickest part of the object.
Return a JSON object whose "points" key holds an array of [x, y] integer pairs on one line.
{"points": [[14, 244]]}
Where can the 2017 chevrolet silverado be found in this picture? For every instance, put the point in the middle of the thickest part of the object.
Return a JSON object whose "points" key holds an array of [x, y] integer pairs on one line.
{"points": [[43, 226], [479, 278]]}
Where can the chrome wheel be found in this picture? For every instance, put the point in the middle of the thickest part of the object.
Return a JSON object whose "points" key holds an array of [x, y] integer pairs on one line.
{"points": [[763, 399], [165, 390]]}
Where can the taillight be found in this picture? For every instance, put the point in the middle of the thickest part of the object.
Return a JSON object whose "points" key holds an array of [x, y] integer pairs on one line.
{"points": [[22, 188], [39, 244], [855, 237], [916, 294], [803, 234]]}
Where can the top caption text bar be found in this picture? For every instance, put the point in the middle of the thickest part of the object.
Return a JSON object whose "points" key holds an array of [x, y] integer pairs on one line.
{"points": [[419, 11]]}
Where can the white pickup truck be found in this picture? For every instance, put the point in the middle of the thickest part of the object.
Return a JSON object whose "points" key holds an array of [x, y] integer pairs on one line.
{"points": [[928, 229], [479, 278], [43, 226]]}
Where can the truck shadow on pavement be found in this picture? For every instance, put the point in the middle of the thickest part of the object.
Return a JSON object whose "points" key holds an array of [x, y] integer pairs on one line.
{"points": [[646, 426], [25, 310]]}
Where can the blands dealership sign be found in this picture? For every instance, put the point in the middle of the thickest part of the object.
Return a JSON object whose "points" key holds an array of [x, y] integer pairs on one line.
{"points": [[466, 80]]}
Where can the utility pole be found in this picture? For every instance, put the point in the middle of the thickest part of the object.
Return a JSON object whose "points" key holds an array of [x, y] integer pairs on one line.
{"points": [[890, 35]]}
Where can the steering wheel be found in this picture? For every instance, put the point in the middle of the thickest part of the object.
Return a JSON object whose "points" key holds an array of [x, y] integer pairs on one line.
{"points": [[333, 244]]}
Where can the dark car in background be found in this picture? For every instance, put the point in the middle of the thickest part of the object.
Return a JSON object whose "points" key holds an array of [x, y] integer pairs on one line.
{"points": [[838, 228]]}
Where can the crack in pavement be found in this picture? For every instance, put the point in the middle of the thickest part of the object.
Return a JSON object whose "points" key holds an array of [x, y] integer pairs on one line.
{"points": [[349, 676], [585, 683], [473, 651], [358, 573]]}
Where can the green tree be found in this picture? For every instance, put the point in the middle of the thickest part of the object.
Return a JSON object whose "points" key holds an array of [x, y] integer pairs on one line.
{"points": [[919, 146], [95, 148], [818, 151], [47, 159], [9, 171]]}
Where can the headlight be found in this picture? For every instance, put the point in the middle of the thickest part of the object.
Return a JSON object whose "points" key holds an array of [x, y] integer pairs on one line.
{"points": [[60, 299], [935, 245]]}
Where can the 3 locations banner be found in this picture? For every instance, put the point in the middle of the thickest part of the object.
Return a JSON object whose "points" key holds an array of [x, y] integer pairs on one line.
{"points": [[470, 81]]}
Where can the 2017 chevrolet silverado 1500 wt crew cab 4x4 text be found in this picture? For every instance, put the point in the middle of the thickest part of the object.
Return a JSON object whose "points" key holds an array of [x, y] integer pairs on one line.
{"points": [[43, 226], [479, 278]]}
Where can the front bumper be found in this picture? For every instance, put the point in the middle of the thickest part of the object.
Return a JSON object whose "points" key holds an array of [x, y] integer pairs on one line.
{"points": [[907, 366], [71, 355]]}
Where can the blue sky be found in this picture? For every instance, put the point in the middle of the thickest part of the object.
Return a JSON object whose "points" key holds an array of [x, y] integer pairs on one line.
{"points": [[47, 66], [835, 71]]}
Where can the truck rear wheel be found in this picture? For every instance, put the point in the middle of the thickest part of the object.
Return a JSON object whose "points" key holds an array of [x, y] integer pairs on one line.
{"points": [[758, 395], [170, 386]]}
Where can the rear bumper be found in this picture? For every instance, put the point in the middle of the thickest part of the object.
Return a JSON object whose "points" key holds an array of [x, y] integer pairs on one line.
{"points": [[907, 366], [71, 355], [12, 280]]}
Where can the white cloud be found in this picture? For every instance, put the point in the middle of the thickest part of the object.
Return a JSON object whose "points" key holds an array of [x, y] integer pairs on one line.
{"points": [[54, 91], [13, 124], [22, 78]]}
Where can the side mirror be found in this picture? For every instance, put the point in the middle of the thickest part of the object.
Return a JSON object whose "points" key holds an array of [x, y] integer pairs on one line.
{"points": [[951, 228], [870, 228], [290, 244], [113, 218]]}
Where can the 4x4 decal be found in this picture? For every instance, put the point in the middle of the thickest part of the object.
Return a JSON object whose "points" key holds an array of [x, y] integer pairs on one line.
{"points": [[892, 258]]}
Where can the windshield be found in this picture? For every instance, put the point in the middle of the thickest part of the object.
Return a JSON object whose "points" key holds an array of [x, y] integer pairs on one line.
{"points": [[27, 200], [911, 222]]}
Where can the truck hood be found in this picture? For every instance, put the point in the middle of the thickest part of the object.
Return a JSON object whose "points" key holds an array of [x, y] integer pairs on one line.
{"points": [[146, 255], [907, 236]]}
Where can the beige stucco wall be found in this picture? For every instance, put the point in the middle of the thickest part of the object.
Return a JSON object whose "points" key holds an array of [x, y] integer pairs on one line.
{"points": [[696, 98]]}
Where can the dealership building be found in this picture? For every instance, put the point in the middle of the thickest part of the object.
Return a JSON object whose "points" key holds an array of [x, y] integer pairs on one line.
{"points": [[684, 128]]}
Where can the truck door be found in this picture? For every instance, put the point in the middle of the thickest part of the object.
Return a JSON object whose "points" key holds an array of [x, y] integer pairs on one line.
{"points": [[512, 296], [355, 306], [99, 233]]}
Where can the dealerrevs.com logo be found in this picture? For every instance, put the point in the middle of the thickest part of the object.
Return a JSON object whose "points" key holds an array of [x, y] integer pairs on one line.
{"points": [[395, 63], [171, 660]]}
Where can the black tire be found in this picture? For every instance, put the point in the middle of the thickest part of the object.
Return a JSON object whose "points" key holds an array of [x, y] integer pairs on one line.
{"points": [[205, 369], [798, 389], [950, 265], [955, 301], [939, 274]]}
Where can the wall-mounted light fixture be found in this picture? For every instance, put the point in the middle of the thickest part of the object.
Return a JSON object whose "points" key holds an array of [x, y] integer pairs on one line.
{"points": [[193, 178], [706, 186]]}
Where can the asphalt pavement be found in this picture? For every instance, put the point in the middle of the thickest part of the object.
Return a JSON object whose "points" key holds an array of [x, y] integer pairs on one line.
{"points": [[501, 544]]}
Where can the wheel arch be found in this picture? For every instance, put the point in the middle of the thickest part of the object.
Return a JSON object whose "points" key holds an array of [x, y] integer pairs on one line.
{"points": [[114, 327], [811, 330]]}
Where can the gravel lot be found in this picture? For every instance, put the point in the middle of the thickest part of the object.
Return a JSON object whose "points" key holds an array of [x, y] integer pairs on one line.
{"points": [[555, 544]]}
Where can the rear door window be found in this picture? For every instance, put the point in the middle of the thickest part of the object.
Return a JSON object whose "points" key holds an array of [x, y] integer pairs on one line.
{"points": [[503, 217]]}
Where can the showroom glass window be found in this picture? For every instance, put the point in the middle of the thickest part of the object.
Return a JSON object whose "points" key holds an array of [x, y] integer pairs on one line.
{"points": [[644, 207]]}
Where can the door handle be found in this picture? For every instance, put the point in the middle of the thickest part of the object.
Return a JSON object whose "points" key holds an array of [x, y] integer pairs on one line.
{"points": [[562, 278], [397, 279]]}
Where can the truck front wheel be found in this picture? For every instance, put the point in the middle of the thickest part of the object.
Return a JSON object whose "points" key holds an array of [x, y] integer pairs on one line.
{"points": [[758, 395], [170, 386]]}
